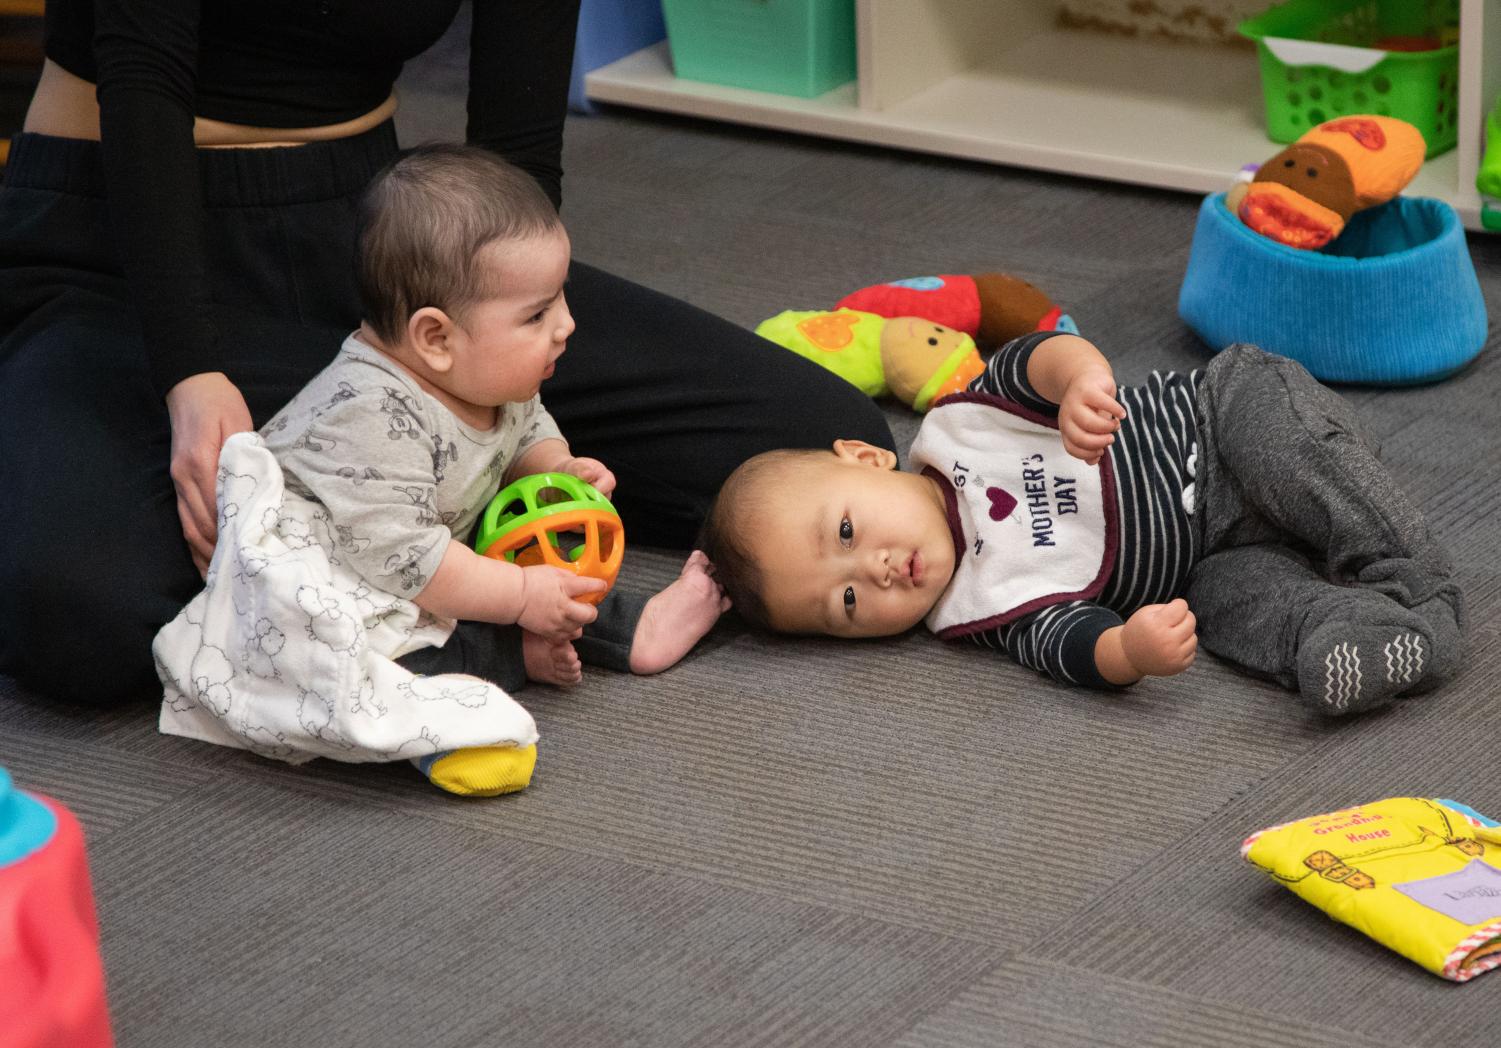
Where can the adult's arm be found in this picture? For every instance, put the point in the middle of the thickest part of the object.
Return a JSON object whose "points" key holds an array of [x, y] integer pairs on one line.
{"points": [[520, 62], [147, 54]]}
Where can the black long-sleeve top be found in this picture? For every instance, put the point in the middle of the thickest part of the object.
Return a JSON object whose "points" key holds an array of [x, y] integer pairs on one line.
{"points": [[1153, 461], [283, 64]]}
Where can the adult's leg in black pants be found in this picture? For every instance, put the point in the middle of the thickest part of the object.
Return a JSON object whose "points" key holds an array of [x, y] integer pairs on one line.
{"points": [[86, 574], [92, 560], [673, 398]]}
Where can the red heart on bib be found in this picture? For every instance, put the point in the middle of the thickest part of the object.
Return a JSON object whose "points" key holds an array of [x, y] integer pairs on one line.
{"points": [[1001, 503]]}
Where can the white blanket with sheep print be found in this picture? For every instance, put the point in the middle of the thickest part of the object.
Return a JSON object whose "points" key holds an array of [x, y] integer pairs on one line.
{"points": [[287, 652]]}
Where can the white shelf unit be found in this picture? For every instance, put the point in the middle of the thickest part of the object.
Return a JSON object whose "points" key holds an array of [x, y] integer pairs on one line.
{"points": [[1000, 81]]}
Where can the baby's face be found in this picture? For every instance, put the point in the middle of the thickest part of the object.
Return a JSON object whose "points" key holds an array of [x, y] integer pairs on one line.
{"points": [[506, 346], [852, 548]]}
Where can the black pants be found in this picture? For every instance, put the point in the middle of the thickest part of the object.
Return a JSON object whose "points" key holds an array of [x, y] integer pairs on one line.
{"points": [[92, 559]]}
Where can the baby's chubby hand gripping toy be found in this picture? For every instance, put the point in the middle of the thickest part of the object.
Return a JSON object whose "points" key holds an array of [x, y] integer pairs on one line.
{"points": [[524, 519]]}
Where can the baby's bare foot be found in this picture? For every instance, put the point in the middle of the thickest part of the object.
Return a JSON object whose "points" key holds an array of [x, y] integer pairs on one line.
{"points": [[678, 617], [547, 662]]}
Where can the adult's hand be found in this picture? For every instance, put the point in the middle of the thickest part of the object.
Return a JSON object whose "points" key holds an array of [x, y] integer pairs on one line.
{"points": [[204, 410]]}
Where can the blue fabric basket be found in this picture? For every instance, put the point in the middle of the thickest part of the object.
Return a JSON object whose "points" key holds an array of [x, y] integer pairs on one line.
{"points": [[1392, 301]]}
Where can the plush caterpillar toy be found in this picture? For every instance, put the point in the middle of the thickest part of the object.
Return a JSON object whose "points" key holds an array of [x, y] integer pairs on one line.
{"points": [[1304, 196], [991, 308], [917, 339]]}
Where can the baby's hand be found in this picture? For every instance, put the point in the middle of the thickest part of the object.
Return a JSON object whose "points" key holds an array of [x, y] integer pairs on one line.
{"points": [[549, 606], [593, 471], [1089, 414], [1159, 639]]}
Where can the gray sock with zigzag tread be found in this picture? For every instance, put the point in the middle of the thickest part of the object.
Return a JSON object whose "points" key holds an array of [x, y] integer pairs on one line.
{"points": [[1363, 659]]}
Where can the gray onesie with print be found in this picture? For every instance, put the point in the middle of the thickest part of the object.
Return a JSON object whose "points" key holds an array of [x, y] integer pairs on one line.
{"points": [[398, 472], [305, 640]]}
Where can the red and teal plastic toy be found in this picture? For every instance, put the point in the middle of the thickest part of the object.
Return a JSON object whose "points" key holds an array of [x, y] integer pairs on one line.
{"points": [[51, 980], [523, 522]]}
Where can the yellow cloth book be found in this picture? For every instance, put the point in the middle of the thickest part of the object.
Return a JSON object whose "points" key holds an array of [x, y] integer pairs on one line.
{"points": [[1419, 875]]}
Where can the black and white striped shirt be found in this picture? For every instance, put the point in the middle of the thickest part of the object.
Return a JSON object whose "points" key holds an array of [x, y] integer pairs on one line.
{"points": [[1153, 458]]}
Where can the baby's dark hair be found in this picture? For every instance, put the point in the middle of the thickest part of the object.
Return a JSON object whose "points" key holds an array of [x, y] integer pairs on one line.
{"points": [[423, 222], [732, 522]]}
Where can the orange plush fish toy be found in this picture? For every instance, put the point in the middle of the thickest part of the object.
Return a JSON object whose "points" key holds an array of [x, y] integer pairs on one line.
{"points": [[1303, 196]]}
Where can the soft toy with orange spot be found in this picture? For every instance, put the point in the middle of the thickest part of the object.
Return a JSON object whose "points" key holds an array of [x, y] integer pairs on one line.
{"points": [[991, 308], [913, 359], [1303, 196], [917, 339]]}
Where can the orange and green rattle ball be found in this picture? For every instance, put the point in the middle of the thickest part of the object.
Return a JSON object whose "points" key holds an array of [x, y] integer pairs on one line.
{"points": [[523, 521]]}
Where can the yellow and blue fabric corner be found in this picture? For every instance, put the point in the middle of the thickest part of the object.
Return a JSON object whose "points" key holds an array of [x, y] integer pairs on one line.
{"points": [[1421, 876], [480, 771]]}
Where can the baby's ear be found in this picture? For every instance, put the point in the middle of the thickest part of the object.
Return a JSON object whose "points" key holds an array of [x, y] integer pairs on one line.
{"points": [[428, 331], [859, 453]]}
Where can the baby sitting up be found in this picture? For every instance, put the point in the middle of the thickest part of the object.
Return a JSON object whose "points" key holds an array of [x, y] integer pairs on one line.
{"points": [[343, 615], [1065, 521]]}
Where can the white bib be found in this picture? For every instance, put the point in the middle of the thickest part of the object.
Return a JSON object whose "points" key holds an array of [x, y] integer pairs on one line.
{"points": [[1039, 526]]}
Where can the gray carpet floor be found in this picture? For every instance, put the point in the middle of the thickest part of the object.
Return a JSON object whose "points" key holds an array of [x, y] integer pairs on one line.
{"points": [[805, 842]]}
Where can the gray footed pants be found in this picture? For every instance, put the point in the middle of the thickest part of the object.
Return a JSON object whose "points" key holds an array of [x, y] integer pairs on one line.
{"points": [[1316, 569]]}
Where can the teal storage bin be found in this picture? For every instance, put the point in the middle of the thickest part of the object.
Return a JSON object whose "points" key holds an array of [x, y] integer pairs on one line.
{"points": [[790, 47], [610, 29]]}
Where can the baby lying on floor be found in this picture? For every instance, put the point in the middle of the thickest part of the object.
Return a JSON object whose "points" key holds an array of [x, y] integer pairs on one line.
{"points": [[1065, 521]]}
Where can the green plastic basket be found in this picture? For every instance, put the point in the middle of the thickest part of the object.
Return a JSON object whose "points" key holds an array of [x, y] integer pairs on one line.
{"points": [[1320, 60], [791, 47]]}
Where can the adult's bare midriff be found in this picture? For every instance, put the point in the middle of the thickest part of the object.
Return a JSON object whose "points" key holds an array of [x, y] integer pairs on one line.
{"points": [[64, 106]]}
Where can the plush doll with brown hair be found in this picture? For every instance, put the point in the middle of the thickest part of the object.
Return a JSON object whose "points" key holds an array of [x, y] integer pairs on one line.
{"points": [[910, 358]]}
